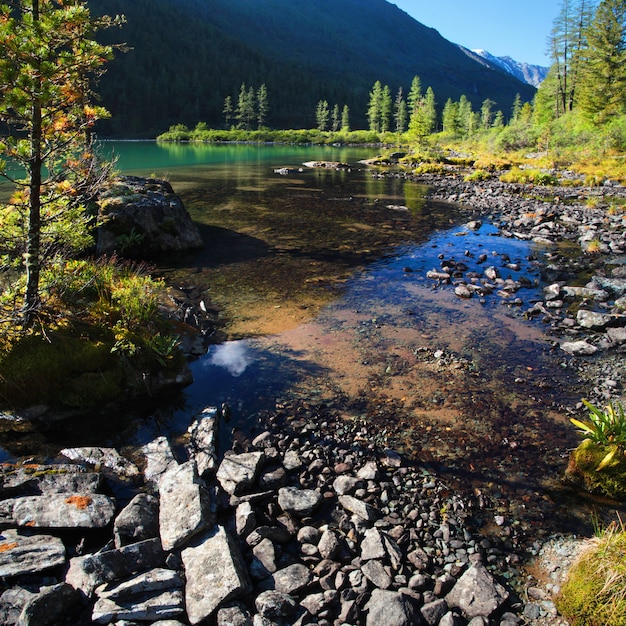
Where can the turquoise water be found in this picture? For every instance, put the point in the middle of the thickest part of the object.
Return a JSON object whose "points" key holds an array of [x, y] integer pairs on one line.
{"points": [[151, 157]]}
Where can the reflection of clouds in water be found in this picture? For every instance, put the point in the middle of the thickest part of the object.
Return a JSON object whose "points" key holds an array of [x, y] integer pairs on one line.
{"points": [[232, 356]]}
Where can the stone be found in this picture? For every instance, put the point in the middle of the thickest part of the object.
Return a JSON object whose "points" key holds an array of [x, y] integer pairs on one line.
{"points": [[22, 552], [159, 458], [202, 445], [343, 485], [235, 615], [372, 546], [107, 458], [149, 596], [359, 508], [275, 604], [237, 472], [292, 461], [592, 319], [51, 606], [148, 208], [63, 510], [292, 578], [462, 291], [215, 573], [617, 336], [184, 505], [329, 545], [389, 608], [433, 612], [12, 602], [369, 471], [376, 573], [578, 348], [137, 521], [87, 572], [299, 502], [477, 593], [265, 552], [273, 479], [245, 519]]}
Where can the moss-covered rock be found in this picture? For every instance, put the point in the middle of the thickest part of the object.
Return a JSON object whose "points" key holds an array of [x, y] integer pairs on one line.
{"points": [[583, 470]]}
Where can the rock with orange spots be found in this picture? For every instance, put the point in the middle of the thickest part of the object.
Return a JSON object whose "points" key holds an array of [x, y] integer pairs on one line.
{"points": [[63, 510], [24, 553]]}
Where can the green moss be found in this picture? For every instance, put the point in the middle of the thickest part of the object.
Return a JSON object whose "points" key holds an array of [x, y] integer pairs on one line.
{"points": [[609, 481], [594, 593], [51, 368]]}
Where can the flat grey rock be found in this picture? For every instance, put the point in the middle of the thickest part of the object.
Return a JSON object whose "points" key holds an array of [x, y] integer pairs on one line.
{"points": [[63, 510], [215, 573], [22, 552], [184, 505], [237, 472]]}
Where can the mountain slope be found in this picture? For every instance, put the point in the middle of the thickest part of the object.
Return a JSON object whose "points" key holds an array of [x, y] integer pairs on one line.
{"points": [[188, 55], [526, 72]]}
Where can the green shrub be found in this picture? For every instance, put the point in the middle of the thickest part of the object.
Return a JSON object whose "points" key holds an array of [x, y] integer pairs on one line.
{"points": [[477, 176]]}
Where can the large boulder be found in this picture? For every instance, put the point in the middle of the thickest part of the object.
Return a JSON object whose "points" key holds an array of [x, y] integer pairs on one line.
{"points": [[143, 218]]}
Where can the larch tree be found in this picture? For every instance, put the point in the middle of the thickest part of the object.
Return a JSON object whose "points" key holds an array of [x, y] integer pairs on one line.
{"points": [[49, 60], [603, 89], [566, 44]]}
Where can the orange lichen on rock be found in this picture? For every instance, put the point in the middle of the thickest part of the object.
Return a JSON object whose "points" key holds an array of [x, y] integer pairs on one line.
{"points": [[4, 547], [80, 502]]}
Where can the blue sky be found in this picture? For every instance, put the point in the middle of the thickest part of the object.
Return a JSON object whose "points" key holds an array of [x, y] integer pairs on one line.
{"points": [[504, 28]]}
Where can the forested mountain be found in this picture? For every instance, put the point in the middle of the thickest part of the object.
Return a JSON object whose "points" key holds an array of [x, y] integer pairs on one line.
{"points": [[187, 56]]}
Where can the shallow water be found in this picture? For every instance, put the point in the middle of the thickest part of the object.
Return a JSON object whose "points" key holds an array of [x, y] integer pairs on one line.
{"points": [[320, 279]]}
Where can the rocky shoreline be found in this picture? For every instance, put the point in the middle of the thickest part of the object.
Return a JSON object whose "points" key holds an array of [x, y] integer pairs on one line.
{"points": [[309, 521]]}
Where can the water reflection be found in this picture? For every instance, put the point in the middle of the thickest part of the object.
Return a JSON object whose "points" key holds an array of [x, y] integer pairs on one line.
{"points": [[233, 356]]}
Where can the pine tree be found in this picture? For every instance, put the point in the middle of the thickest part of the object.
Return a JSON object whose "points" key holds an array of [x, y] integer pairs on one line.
{"points": [[49, 58]]}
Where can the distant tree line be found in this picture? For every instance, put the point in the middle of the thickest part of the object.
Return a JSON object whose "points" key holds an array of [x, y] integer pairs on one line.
{"points": [[588, 49]]}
